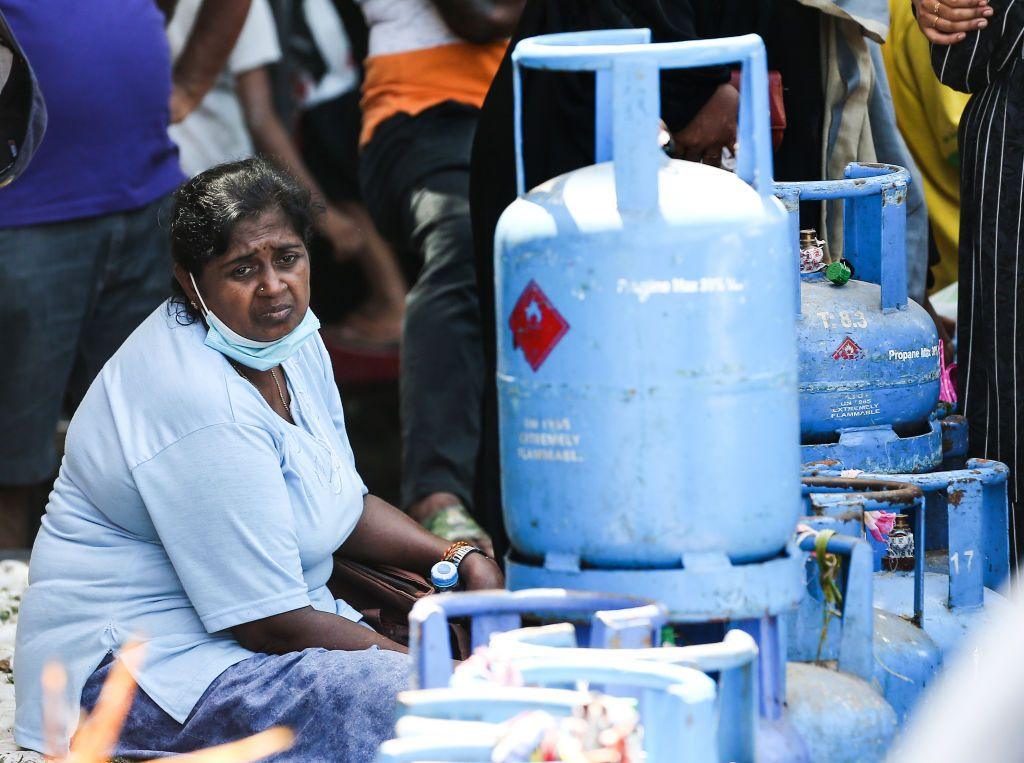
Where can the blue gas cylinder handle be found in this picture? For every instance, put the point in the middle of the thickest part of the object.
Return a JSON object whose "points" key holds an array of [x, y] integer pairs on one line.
{"points": [[444, 576], [874, 222], [627, 65]]}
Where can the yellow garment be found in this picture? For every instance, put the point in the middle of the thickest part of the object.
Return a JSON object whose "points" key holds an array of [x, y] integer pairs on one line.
{"points": [[928, 114]]}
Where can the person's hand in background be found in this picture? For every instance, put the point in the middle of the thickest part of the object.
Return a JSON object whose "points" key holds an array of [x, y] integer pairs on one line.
{"points": [[216, 28], [182, 102], [946, 22], [342, 231], [713, 129]]}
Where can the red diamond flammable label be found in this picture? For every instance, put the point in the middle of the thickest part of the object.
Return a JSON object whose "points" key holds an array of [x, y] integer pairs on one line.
{"points": [[536, 325], [848, 350]]}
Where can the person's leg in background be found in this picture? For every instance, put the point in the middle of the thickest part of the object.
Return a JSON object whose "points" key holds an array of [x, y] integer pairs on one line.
{"points": [[48, 272], [134, 277], [379, 319], [415, 174], [76, 290], [442, 363]]}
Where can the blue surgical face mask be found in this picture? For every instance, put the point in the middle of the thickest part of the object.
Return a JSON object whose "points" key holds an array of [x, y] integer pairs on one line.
{"points": [[259, 355]]}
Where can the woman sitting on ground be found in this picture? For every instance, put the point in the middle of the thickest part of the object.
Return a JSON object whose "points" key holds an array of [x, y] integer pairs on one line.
{"points": [[206, 485]]}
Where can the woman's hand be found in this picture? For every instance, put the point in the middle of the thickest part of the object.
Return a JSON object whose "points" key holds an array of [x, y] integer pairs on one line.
{"points": [[478, 572], [946, 22]]}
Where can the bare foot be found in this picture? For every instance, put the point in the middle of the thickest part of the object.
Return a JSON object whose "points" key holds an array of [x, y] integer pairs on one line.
{"points": [[444, 515], [424, 509]]}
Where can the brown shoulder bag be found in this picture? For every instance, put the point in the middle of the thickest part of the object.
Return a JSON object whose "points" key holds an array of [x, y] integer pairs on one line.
{"points": [[384, 595]]}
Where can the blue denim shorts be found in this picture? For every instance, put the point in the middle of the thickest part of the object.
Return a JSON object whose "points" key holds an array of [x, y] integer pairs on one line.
{"points": [[340, 705], [73, 292]]}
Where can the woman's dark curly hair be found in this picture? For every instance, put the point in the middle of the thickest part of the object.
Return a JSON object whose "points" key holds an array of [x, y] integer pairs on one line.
{"points": [[209, 206]]}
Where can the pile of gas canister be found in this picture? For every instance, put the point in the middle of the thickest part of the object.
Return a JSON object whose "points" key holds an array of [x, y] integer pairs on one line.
{"points": [[753, 534]]}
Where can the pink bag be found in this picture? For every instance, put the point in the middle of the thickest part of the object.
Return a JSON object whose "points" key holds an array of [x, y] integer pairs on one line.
{"points": [[947, 389]]}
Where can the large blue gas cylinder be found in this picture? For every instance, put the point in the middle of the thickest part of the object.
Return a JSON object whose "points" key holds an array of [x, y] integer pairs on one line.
{"points": [[869, 356], [646, 341]]}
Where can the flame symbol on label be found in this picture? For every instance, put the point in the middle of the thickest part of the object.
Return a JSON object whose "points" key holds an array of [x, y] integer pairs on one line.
{"points": [[848, 350], [533, 313], [536, 324]]}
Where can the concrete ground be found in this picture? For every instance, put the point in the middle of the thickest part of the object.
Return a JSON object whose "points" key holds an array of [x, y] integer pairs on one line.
{"points": [[13, 581]]}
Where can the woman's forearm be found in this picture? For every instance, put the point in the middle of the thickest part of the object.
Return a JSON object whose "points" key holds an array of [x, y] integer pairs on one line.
{"points": [[385, 535], [271, 138], [308, 628]]}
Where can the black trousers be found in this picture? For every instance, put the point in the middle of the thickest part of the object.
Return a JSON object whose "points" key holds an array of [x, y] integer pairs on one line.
{"points": [[415, 178]]}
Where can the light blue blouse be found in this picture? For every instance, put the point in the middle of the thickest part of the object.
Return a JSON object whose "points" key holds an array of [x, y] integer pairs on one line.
{"points": [[185, 505]]}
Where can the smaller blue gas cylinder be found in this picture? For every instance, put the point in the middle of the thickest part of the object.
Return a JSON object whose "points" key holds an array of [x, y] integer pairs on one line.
{"points": [[869, 356]]}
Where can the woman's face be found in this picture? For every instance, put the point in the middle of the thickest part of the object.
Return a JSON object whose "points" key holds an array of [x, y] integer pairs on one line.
{"points": [[260, 286]]}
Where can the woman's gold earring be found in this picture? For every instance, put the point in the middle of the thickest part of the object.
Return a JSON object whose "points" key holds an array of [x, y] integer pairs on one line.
{"points": [[194, 305]]}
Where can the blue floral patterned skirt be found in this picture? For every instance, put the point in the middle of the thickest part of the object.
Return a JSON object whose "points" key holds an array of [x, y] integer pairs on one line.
{"points": [[340, 705]]}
